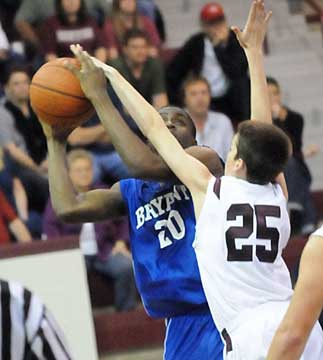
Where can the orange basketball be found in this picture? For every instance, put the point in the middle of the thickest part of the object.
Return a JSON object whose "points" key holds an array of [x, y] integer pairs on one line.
{"points": [[57, 97]]}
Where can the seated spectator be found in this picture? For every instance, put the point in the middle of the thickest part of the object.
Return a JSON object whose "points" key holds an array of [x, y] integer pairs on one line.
{"points": [[16, 195], [145, 74], [108, 165], [297, 174], [103, 244], [215, 54], [32, 13], [213, 129], [10, 223], [71, 25], [149, 8], [22, 139], [7, 56], [125, 17]]}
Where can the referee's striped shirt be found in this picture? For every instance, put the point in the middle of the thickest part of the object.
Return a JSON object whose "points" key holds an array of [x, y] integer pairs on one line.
{"points": [[27, 329]]}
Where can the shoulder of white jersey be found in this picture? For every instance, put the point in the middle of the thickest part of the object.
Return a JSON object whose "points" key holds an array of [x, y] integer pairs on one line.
{"points": [[318, 232]]}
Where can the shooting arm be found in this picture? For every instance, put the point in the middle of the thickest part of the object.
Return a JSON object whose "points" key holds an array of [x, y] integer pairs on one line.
{"points": [[88, 207], [306, 305]]}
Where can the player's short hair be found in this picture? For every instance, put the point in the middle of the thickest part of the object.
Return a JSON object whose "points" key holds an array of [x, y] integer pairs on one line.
{"points": [[185, 113], [264, 148], [134, 34], [76, 154], [192, 79], [273, 81]]}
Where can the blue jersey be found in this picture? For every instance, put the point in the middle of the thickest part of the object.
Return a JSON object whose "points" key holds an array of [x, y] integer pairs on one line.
{"points": [[162, 230]]}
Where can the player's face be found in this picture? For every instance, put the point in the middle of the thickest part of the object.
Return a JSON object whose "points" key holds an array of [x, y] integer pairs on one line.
{"points": [[81, 174], [71, 7], [179, 125], [137, 50], [233, 166], [18, 86], [197, 98]]}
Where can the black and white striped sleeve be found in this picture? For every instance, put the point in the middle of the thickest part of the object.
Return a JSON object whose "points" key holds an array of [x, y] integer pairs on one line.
{"points": [[28, 330]]}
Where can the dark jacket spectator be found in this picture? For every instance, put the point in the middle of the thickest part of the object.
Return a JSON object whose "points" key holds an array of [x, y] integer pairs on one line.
{"points": [[216, 54]]}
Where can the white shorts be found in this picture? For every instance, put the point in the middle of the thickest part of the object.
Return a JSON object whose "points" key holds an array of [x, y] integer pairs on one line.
{"points": [[252, 339]]}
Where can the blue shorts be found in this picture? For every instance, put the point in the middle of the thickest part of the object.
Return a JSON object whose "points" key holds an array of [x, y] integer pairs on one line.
{"points": [[192, 337]]}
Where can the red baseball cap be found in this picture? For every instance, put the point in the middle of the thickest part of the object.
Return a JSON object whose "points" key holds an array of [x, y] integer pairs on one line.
{"points": [[212, 12]]}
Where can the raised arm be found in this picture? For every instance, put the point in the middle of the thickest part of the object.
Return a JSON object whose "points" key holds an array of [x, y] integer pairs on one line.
{"points": [[91, 206], [251, 40], [153, 127], [306, 305], [140, 159]]}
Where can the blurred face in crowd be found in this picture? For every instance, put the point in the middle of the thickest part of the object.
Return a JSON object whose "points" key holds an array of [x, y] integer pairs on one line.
{"points": [[128, 7], [197, 98], [81, 173], [136, 50], [17, 87], [71, 7], [274, 95], [216, 31]]}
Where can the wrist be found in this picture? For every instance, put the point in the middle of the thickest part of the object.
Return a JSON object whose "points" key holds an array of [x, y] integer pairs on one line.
{"points": [[254, 53], [99, 96]]}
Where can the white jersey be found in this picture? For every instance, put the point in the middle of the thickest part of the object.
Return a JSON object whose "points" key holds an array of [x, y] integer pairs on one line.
{"points": [[318, 232], [240, 235]]}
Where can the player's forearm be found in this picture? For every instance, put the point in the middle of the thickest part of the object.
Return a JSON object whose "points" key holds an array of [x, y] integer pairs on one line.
{"points": [[63, 195], [133, 151], [286, 345], [260, 105]]}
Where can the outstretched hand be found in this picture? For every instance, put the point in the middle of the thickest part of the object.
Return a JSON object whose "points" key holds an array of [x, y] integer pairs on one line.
{"points": [[253, 35], [91, 77]]}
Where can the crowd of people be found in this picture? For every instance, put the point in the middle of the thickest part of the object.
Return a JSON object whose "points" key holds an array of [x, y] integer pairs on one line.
{"points": [[208, 76], [120, 182]]}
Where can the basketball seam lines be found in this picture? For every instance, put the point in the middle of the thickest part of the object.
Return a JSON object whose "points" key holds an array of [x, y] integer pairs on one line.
{"points": [[59, 91], [64, 116]]}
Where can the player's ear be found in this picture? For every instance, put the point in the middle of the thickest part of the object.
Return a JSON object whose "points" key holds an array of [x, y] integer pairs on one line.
{"points": [[239, 165]]}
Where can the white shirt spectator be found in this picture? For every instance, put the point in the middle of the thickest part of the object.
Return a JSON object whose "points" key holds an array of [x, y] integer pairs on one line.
{"points": [[217, 133]]}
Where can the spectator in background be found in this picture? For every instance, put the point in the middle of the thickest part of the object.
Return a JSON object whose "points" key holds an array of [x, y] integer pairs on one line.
{"points": [[297, 174], [125, 16], [23, 140], [103, 244], [71, 25], [10, 223], [213, 129], [16, 195], [32, 13], [215, 54], [108, 165], [145, 74]]}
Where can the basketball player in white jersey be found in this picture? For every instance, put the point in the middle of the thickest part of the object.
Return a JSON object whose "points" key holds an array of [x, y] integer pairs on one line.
{"points": [[306, 304], [242, 221]]}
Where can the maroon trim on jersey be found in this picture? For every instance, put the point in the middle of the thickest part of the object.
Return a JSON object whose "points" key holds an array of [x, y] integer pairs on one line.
{"points": [[217, 187], [227, 339]]}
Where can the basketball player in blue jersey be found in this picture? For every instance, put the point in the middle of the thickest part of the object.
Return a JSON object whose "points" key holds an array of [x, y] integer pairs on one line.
{"points": [[162, 222]]}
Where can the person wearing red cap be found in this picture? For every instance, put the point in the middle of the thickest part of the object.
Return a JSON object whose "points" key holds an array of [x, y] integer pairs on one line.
{"points": [[215, 54]]}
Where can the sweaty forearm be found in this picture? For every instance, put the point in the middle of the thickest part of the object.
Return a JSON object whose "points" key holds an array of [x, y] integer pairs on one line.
{"points": [[133, 151], [63, 195]]}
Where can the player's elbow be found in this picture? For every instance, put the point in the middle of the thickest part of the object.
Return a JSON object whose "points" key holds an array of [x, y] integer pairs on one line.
{"points": [[292, 341], [67, 214]]}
